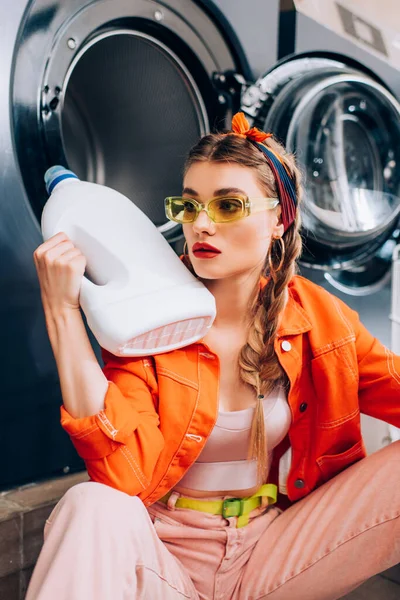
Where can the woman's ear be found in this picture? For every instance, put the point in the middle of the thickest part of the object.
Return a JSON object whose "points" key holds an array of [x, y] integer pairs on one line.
{"points": [[278, 229]]}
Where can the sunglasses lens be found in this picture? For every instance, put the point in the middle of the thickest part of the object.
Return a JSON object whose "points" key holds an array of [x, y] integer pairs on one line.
{"points": [[224, 210], [181, 210]]}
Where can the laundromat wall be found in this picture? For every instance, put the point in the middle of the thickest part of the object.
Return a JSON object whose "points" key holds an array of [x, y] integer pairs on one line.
{"points": [[118, 91]]}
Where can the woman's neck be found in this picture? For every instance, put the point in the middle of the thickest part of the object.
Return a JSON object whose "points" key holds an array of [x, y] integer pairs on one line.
{"points": [[233, 297]]}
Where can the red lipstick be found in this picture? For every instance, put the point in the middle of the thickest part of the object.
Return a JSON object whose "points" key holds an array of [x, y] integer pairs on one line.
{"points": [[204, 250]]}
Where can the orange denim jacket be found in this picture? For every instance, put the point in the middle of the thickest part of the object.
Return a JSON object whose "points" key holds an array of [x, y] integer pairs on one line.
{"points": [[159, 411]]}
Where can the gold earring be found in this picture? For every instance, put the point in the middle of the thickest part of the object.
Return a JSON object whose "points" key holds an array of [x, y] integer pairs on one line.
{"points": [[185, 249], [279, 267]]}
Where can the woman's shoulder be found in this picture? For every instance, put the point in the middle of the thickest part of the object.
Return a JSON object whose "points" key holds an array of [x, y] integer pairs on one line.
{"points": [[304, 286], [179, 364], [306, 291], [140, 366], [324, 310]]}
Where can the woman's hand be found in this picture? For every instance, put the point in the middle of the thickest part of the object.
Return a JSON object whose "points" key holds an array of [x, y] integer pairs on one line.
{"points": [[60, 267]]}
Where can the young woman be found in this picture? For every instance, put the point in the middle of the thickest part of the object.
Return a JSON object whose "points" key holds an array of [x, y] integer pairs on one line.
{"points": [[234, 467]]}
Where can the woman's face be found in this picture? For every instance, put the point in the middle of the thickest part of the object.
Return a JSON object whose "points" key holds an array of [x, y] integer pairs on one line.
{"points": [[242, 244]]}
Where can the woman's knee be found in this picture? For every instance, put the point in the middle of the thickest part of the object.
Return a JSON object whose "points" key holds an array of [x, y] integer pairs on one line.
{"points": [[91, 498]]}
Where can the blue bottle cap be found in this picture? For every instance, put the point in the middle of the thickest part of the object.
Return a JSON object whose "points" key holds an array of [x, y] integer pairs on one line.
{"points": [[55, 174]]}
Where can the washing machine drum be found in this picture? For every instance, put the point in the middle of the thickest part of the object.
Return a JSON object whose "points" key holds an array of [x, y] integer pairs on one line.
{"points": [[344, 129], [118, 92]]}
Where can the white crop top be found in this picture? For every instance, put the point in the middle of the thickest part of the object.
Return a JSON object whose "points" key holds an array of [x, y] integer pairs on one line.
{"points": [[223, 463]]}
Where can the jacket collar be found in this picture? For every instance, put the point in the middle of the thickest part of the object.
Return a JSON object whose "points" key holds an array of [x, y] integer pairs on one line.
{"points": [[294, 319]]}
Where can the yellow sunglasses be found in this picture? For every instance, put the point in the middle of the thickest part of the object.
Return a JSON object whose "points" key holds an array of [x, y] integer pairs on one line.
{"points": [[219, 210]]}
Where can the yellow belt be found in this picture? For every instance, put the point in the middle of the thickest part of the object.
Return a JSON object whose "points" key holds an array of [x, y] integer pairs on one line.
{"points": [[231, 507]]}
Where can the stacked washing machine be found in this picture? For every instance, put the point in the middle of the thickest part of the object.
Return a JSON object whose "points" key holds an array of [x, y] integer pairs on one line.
{"points": [[332, 98], [118, 90]]}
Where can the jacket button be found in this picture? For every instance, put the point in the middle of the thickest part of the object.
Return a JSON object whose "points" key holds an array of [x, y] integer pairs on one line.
{"points": [[303, 406], [286, 346], [299, 483]]}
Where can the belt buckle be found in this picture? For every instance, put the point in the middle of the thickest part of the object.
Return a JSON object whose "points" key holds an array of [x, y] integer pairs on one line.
{"points": [[232, 507]]}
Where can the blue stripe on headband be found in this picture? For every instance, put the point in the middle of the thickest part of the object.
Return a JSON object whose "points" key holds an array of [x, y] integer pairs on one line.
{"points": [[283, 175]]}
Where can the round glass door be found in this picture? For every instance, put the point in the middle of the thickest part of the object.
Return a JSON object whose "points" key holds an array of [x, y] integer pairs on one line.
{"points": [[346, 133], [127, 123], [344, 129]]}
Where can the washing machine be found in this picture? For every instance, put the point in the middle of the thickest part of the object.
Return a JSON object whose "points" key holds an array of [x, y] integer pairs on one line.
{"points": [[118, 91], [333, 100]]}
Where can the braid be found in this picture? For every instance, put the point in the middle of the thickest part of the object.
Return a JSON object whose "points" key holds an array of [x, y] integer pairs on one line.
{"points": [[258, 363]]}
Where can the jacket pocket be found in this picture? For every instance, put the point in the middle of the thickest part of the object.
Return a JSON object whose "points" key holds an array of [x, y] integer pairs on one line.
{"points": [[332, 464]]}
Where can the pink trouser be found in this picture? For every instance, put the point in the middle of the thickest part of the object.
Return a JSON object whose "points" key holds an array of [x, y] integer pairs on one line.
{"points": [[101, 544]]}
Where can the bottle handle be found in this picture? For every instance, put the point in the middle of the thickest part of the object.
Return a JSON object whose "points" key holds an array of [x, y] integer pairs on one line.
{"points": [[87, 287]]}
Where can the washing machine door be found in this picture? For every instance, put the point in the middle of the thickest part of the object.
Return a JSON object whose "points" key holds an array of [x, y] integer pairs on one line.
{"points": [[344, 129], [118, 92]]}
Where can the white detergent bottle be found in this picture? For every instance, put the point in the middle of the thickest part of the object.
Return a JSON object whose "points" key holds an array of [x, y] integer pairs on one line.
{"points": [[139, 298]]}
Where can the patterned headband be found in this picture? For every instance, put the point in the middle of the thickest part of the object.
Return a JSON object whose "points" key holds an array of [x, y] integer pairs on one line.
{"points": [[284, 182]]}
